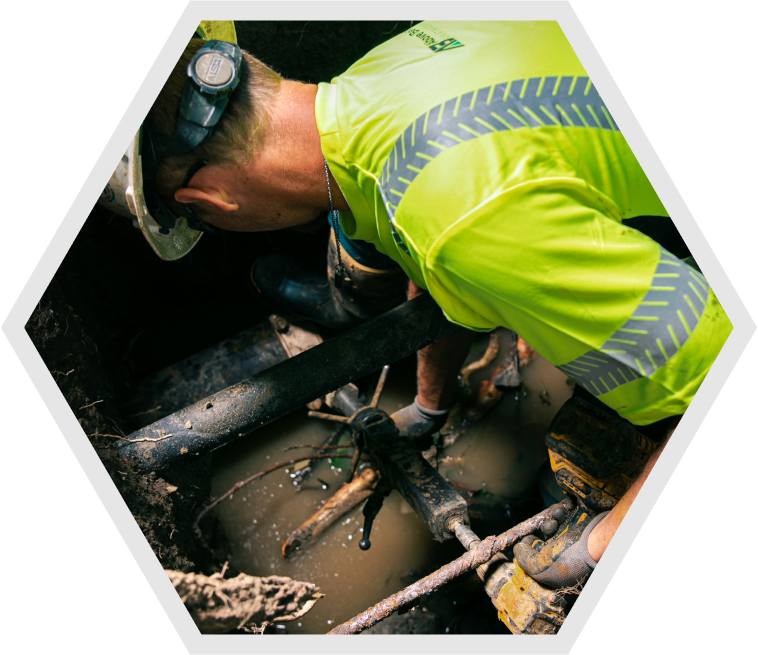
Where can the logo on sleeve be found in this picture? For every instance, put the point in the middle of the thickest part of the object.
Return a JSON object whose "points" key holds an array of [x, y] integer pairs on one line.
{"points": [[437, 43]]}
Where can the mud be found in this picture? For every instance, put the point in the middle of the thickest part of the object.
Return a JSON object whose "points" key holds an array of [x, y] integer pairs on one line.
{"points": [[165, 506], [496, 461], [348, 497], [162, 506]]}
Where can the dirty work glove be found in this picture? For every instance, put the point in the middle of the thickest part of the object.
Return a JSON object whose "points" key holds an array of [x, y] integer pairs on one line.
{"points": [[417, 422], [563, 560]]}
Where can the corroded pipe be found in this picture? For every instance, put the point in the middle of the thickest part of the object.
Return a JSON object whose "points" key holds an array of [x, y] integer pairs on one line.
{"points": [[244, 407], [477, 556]]}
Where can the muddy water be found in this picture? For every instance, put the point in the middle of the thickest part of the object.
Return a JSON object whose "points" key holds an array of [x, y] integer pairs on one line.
{"points": [[500, 454]]}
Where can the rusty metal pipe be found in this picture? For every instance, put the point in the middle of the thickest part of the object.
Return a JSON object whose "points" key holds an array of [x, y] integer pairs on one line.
{"points": [[248, 405], [477, 556]]}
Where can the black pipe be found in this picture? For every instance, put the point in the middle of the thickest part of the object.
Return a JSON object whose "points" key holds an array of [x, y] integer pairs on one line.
{"points": [[244, 407], [202, 374]]}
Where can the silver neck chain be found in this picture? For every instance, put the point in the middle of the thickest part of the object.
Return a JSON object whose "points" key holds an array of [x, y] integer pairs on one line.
{"points": [[339, 270]]}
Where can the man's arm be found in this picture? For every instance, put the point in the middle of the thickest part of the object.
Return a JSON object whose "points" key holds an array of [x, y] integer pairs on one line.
{"points": [[569, 557], [438, 368], [439, 364], [603, 532]]}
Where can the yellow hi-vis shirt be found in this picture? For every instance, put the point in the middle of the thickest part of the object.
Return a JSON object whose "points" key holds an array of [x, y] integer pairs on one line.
{"points": [[482, 159]]}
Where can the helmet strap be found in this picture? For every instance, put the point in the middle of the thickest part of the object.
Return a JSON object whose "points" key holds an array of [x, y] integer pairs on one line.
{"points": [[194, 222]]}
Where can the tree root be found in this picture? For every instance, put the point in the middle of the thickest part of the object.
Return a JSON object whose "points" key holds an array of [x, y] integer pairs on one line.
{"points": [[243, 603]]}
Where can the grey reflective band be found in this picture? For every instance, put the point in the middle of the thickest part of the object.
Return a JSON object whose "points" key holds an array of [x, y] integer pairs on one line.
{"points": [[538, 102], [660, 325], [599, 373]]}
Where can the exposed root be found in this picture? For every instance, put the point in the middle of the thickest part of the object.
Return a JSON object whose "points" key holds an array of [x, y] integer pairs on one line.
{"points": [[147, 411], [115, 436], [574, 590], [489, 356], [317, 447], [91, 404], [243, 603], [348, 496], [62, 373]]}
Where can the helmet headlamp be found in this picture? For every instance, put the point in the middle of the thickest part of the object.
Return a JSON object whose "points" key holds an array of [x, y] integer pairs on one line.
{"points": [[212, 76]]}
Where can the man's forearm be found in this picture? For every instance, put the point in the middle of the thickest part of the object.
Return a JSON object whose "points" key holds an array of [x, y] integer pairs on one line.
{"points": [[439, 365], [603, 533]]}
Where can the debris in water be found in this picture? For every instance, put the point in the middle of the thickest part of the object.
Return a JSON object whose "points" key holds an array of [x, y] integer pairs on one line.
{"points": [[344, 500]]}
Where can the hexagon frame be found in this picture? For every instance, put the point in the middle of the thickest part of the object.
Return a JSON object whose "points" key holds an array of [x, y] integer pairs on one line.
{"points": [[33, 366]]}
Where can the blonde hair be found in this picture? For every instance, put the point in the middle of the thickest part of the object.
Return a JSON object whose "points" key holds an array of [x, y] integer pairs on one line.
{"points": [[239, 131]]}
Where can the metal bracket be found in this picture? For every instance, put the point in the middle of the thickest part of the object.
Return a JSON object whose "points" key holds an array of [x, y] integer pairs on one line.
{"points": [[296, 339]]}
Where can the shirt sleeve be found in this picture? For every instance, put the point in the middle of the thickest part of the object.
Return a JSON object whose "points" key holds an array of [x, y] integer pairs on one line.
{"points": [[546, 260]]}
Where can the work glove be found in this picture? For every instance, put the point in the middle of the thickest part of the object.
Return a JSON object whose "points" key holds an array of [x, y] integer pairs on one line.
{"points": [[417, 422], [563, 560]]}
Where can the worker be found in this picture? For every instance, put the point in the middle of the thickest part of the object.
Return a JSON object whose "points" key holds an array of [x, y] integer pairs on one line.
{"points": [[481, 159]]}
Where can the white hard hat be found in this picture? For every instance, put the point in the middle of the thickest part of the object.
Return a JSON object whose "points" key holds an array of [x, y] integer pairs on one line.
{"points": [[124, 194]]}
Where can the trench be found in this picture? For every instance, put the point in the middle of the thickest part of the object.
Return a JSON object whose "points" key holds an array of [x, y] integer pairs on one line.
{"points": [[112, 349], [500, 454], [102, 334]]}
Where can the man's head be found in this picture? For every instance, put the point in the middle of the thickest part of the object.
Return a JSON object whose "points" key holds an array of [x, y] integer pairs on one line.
{"points": [[239, 134]]}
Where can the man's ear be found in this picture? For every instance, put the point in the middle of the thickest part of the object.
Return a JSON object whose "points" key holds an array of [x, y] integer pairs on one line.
{"points": [[207, 199]]}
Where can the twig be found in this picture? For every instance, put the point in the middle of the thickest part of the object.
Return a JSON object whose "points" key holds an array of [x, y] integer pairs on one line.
{"points": [[471, 560], [115, 436], [575, 590], [463, 486], [304, 473], [62, 373], [315, 447], [329, 417], [147, 411], [122, 433], [380, 384], [242, 483], [354, 464], [489, 356], [90, 405]]}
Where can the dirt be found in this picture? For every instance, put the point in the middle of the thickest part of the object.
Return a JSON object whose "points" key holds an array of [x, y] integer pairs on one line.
{"points": [[163, 507], [247, 603]]}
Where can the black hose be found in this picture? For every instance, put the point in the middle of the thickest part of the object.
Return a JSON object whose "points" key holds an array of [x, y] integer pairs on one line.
{"points": [[244, 407]]}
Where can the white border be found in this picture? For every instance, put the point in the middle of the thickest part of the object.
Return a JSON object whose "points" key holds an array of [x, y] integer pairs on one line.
{"points": [[707, 401]]}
